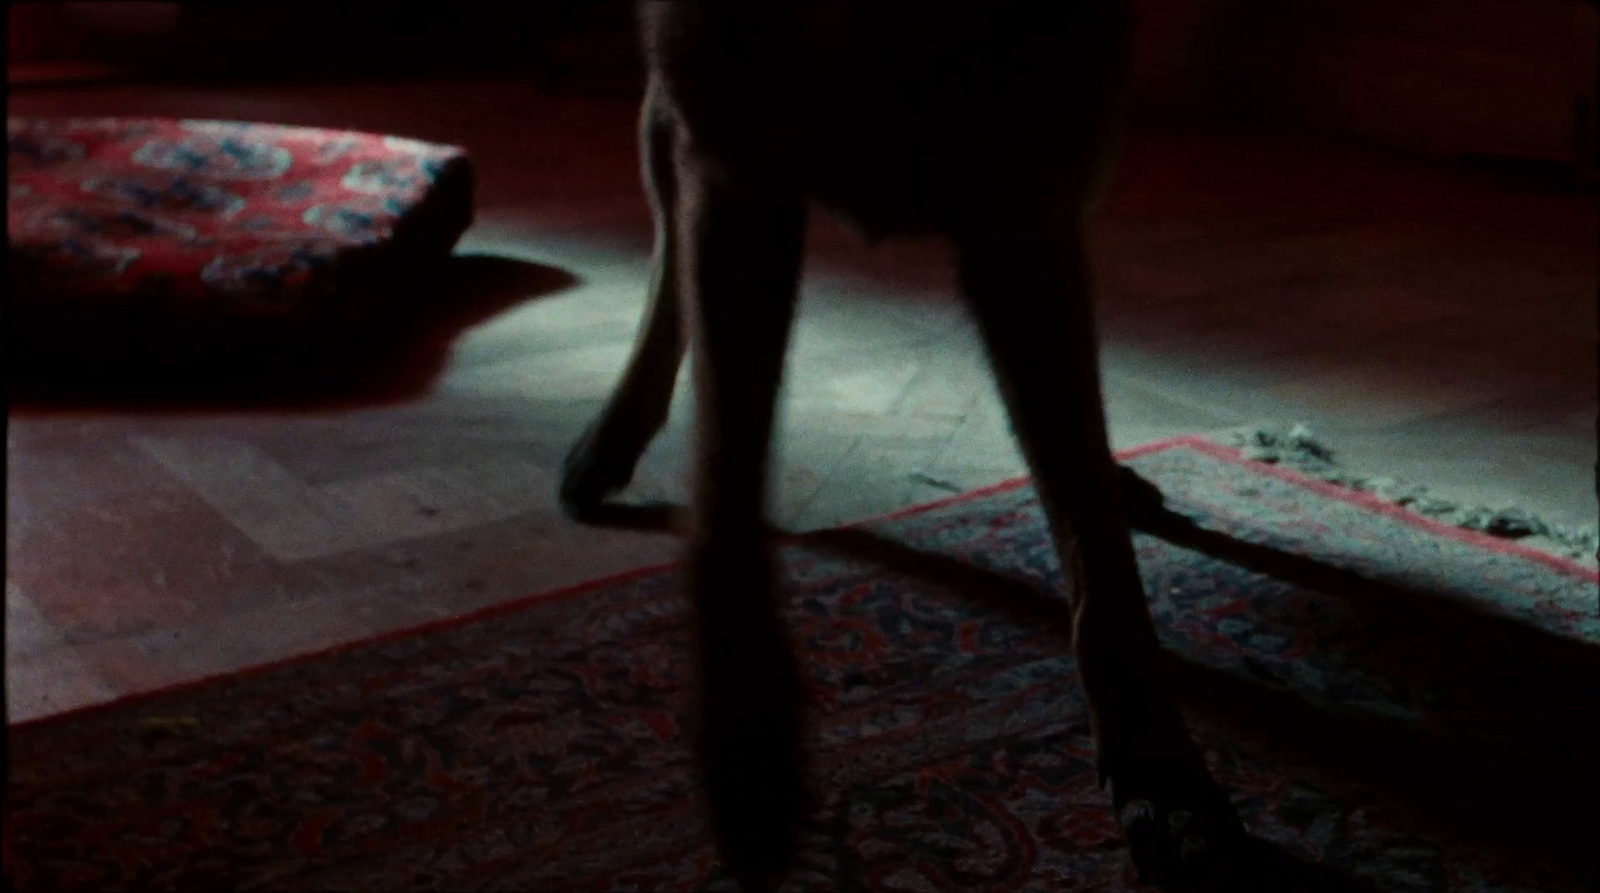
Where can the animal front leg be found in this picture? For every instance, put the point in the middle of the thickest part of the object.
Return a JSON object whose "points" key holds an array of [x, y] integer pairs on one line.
{"points": [[739, 271], [1029, 289]]}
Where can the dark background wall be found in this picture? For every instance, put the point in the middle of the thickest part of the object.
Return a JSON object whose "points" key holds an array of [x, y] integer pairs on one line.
{"points": [[274, 40], [403, 38], [1515, 78], [1443, 77]]}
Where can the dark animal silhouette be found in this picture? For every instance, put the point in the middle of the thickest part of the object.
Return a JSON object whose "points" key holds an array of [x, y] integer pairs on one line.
{"points": [[992, 124]]}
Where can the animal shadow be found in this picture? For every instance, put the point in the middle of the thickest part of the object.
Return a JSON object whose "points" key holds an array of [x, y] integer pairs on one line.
{"points": [[1510, 786]]}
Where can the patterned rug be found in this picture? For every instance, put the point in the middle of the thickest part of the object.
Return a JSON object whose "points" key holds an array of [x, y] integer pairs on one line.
{"points": [[1394, 704]]}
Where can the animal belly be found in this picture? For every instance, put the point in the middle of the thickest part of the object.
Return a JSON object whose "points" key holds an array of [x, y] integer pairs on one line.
{"points": [[879, 187]]}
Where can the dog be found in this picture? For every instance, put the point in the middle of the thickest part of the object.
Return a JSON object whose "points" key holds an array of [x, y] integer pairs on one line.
{"points": [[993, 125]]}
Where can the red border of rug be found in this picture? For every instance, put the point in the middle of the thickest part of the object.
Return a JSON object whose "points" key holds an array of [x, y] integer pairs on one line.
{"points": [[1191, 441]]}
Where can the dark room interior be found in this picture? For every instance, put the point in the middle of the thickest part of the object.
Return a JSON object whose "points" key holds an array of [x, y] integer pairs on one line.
{"points": [[292, 600]]}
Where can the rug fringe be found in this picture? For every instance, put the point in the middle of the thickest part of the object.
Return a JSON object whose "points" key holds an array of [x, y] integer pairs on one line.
{"points": [[1295, 446]]}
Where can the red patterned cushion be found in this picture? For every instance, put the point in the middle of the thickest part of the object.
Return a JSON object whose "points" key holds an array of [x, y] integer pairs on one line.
{"points": [[214, 220]]}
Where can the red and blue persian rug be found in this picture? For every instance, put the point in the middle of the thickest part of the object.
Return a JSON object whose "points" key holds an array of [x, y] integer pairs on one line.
{"points": [[1394, 705]]}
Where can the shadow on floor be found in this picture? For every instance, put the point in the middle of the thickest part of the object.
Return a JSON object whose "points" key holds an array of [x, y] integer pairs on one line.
{"points": [[1506, 778], [382, 355]]}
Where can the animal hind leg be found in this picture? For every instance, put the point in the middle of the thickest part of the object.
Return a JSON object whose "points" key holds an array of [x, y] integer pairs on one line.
{"points": [[1029, 289], [603, 460]]}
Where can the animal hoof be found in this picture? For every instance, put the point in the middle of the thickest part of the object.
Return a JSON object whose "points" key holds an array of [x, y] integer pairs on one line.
{"points": [[763, 803], [1143, 500], [1182, 833], [749, 743], [593, 471]]}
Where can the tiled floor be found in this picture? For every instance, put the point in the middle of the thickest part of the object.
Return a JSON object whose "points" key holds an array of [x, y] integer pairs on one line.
{"points": [[1429, 323]]}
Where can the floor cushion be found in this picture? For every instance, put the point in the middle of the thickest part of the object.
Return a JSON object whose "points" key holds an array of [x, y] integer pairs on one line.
{"points": [[138, 232]]}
